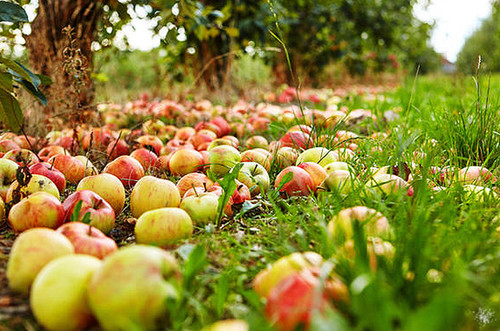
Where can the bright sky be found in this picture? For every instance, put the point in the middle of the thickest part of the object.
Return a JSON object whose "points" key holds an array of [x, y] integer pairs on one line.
{"points": [[455, 20]]}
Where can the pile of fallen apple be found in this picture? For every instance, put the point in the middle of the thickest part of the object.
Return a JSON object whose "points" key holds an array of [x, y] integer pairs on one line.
{"points": [[75, 274]]}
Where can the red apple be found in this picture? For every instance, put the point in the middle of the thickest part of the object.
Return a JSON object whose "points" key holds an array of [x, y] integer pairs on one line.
{"points": [[185, 161], [48, 151], [88, 240], [317, 172], [193, 179], [116, 149], [72, 168], [151, 143], [47, 170], [125, 168], [102, 215], [148, 159], [300, 183]]}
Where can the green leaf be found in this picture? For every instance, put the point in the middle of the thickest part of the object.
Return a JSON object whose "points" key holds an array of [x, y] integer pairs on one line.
{"points": [[221, 292], [288, 177], [228, 184], [10, 111], [16, 69], [34, 79], [75, 215], [6, 82], [44, 80], [194, 264], [33, 91], [11, 12]]}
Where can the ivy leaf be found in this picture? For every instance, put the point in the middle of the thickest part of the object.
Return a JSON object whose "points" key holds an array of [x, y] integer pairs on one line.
{"points": [[10, 111], [11, 12]]}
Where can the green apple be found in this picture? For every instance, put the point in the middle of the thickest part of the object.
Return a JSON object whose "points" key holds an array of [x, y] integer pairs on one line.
{"points": [[202, 208], [228, 325], [37, 183], [320, 155], [387, 183], [163, 226], [130, 290], [8, 170], [152, 193], [267, 279], [222, 159], [59, 297], [254, 176], [31, 251], [479, 193], [373, 222], [340, 181], [285, 157], [338, 165]]}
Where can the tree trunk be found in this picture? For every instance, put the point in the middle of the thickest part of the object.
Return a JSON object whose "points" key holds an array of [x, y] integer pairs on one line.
{"points": [[46, 45]]}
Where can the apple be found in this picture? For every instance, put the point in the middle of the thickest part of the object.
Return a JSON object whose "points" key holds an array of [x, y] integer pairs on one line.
{"points": [[131, 288], [285, 157], [234, 141], [108, 187], [344, 154], [117, 148], [259, 155], [222, 124], [90, 169], [479, 193], [297, 140], [48, 151], [163, 226], [21, 156], [184, 133], [31, 251], [193, 179], [201, 140], [148, 159], [99, 138], [153, 126], [293, 301], [374, 223], [222, 159], [72, 168], [174, 145], [387, 183], [152, 193], [2, 211], [8, 145], [241, 193], [150, 142], [255, 177], [340, 181], [320, 155], [256, 142], [476, 175], [299, 184], [58, 297], [8, 169], [127, 169], [228, 325], [268, 278], [316, 171], [88, 240], [185, 161], [47, 170], [102, 215], [219, 142], [337, 165], [37, 183], [375, 248], [202, 208], [39, 209]]}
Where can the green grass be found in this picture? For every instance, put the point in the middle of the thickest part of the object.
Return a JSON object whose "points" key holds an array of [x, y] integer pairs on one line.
{"points": [[445, 272]]}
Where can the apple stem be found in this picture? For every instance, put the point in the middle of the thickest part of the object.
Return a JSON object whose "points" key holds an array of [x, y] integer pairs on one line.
{"points": [[255, 168], [205, 186], [90, 230], [194, 189], [240, 187], [98, 203]]}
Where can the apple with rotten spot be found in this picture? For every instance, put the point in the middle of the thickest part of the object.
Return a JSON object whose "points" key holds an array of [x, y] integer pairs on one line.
{"points": [[40, 209], [114, 288], [152, 193], [87, 239], [47, 170], [102, 215], [37, 183], [8, 169], [58, 297], [31, 251], [163, 226]]}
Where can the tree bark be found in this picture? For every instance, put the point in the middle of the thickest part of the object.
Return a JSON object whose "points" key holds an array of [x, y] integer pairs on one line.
{"points": [[46, 45]]}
